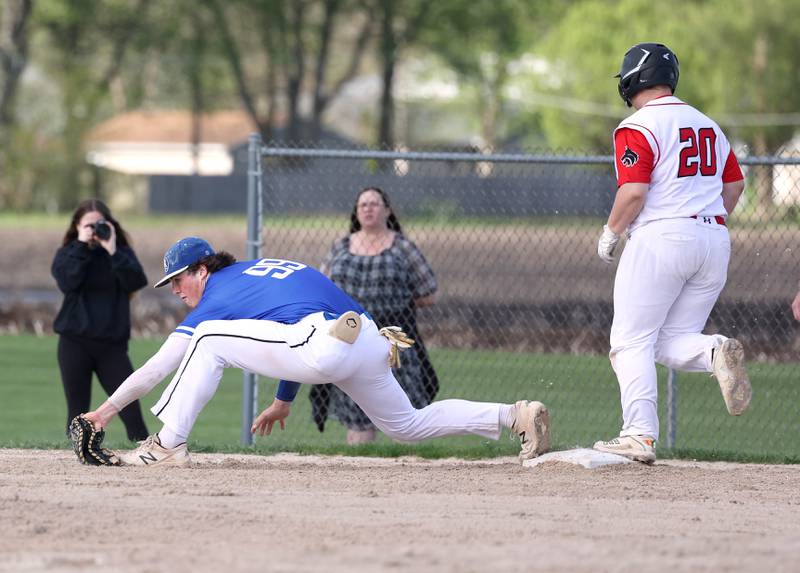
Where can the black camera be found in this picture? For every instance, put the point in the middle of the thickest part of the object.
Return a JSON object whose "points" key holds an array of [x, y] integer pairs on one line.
{"points": [[102, 229]]}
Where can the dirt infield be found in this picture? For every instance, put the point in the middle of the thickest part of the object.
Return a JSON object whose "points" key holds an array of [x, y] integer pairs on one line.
{"points": [[293, 513], [521, 288], [509, 264]]}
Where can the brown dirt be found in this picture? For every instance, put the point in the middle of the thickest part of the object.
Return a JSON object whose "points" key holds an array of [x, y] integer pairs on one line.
{"points": [[516, 287], [512, 264], [293, 513]]}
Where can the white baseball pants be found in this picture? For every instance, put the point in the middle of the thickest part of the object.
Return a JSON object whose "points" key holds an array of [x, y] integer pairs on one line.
{"points": [[305, 353], [669, 278]]}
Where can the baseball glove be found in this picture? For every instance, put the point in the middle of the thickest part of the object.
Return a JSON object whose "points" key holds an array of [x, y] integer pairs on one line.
{"points": [[86, 443], [399, 341]]}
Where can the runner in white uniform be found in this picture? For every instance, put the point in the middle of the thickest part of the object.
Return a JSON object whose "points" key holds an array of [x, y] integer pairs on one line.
{"points": [[677, 182], [285, 320]]}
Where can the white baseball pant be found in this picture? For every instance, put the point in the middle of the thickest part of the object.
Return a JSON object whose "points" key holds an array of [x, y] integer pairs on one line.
{"points": [[669, 278], [305, 353]]}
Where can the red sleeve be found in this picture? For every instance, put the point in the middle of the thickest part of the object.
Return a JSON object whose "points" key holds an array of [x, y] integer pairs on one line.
{"points": [[732, 171], [633, 155]]}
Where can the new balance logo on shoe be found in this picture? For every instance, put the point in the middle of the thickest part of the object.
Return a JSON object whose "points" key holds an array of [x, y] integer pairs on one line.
{"points": [[151, 453], [532, 425], [146, 457]]}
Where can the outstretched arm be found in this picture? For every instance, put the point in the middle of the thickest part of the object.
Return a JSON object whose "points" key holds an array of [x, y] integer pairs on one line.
{"points": [[143, 380]]}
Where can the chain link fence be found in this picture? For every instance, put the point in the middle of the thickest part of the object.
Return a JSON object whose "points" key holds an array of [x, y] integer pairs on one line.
{"points": [[524, 305]]}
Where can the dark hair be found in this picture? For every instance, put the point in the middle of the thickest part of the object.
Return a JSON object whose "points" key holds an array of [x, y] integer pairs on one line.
{"points": [[94, 206], [391, 221], [212, 263]]}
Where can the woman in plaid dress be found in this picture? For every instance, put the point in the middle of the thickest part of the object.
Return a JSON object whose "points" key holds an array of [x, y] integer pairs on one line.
{"points": [[388, 275]]}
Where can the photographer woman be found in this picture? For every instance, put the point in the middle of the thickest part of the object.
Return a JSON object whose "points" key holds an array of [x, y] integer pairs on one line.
{"points": [[388, 275], [98, 272]]}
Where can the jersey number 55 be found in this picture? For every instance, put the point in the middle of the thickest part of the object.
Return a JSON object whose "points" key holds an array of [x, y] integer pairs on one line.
{"points": [[274, 268]]}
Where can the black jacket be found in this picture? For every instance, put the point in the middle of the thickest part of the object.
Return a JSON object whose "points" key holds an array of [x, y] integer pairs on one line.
{"points": [[97, 289]]}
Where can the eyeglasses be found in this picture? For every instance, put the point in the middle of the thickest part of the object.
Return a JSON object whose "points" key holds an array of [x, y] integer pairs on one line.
{"points": [[368, 204]]}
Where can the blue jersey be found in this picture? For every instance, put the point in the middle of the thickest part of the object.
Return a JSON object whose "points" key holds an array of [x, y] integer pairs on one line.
{"points": [[267, 289]]}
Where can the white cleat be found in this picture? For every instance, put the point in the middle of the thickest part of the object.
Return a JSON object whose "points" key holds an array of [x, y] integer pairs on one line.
{"points": [[637, 448], [730, 372], [151, 453], [532, 425]]}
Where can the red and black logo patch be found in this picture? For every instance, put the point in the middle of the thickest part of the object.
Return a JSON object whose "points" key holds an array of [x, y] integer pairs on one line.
{"points": [[629, 158]]}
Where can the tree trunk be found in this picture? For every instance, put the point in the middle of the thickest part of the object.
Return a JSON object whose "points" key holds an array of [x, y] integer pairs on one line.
{"points": [[763, 173], [762, 179], [490, 102], [234, 58], [389, 55], [320, 100], [196, 88], [296, 71], [13, 58], [13, 55], [356, 57]]}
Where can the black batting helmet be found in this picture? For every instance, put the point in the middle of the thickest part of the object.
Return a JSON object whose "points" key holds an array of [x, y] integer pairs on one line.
{"points": [[644, 66]]}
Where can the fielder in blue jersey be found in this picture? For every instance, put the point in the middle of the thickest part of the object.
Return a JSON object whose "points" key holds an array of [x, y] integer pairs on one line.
{"points": [[285, 320]]}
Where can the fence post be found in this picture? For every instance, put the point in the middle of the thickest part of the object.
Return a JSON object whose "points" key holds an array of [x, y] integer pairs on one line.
{"points": [[253, 251], [672, 407]]}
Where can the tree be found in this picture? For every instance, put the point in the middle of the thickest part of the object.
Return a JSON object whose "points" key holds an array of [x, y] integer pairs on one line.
{"points": [[737, 61], [576, 97], [87, 45], [288, 53], [480, 39], [13, 55], [14, 21], [401, 22], [753, 79]]}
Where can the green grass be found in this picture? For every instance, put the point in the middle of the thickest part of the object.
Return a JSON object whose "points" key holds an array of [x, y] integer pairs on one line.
{"points": [[38, 220], [580, 391], [58, 221], [428, 218]]}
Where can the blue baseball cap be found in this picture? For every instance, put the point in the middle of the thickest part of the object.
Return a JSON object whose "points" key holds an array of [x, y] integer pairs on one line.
{"points": [[181, 255]]}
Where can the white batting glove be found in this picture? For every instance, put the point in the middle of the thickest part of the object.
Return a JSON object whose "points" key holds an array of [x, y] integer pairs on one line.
{"points": [[607, 244]]}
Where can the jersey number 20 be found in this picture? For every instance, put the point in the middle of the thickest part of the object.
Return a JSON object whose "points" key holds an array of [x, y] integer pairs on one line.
{"points": [[699, 153]]}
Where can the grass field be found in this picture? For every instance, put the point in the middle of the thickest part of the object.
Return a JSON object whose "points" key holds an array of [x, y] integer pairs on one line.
{"points": [[38, 220], [581, 393], [433, 218]]}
